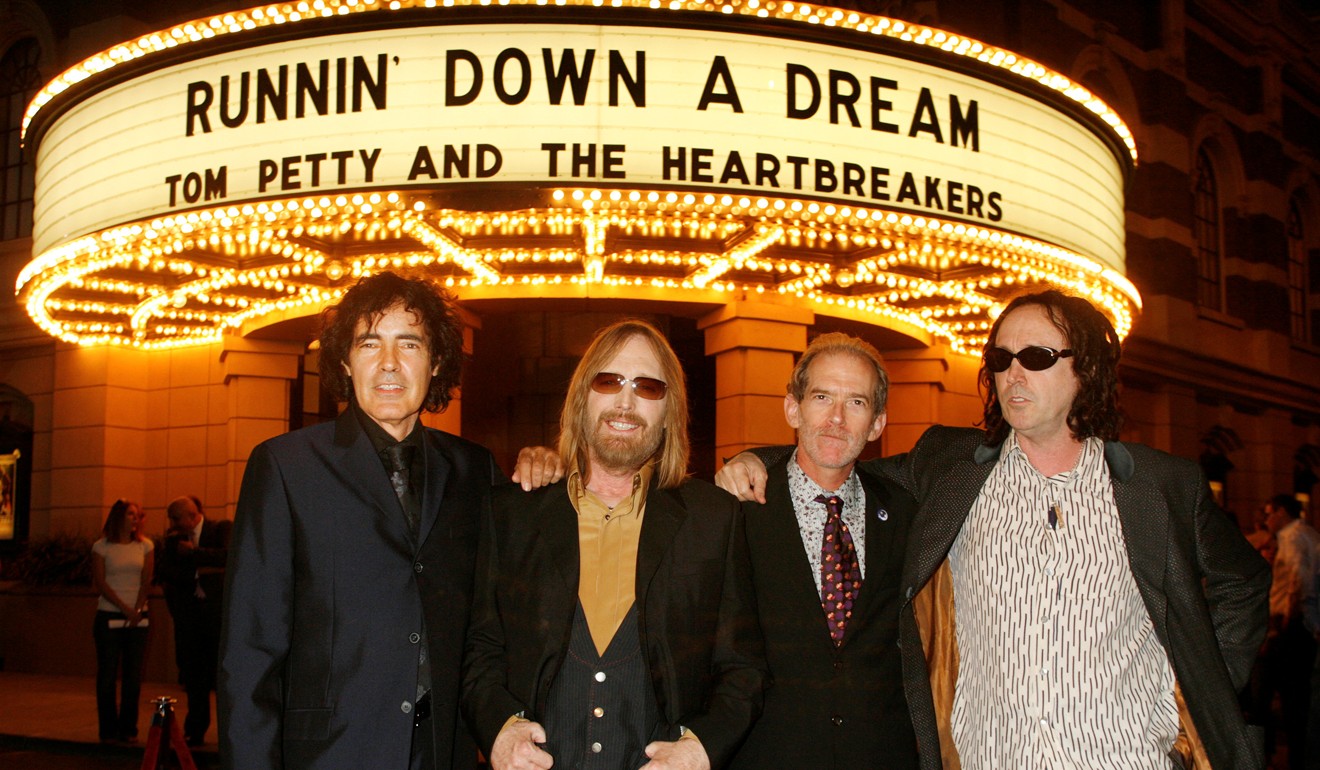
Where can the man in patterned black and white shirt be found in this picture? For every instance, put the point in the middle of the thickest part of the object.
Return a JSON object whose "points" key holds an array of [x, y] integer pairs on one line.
{"points": [[1091, 576]]}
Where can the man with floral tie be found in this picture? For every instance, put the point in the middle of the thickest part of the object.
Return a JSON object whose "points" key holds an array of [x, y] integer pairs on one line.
{"points": [[827, 549]]}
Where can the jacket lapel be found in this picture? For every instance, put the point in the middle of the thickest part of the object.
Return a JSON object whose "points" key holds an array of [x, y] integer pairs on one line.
{"points": [[1143, 515], [435, 489], [365, 476], [557, 529], [947, 501], [879, 545], [664, 515], [777, 519]]}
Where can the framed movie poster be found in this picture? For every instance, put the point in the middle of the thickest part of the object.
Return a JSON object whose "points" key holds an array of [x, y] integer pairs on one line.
{"points": [[8, 494]]}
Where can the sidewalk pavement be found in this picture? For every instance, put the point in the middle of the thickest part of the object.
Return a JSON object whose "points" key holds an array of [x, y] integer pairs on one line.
{"points": [[60, 712]]}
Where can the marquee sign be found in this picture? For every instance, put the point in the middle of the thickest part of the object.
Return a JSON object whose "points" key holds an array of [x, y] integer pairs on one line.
{"points": [[624, 99]]}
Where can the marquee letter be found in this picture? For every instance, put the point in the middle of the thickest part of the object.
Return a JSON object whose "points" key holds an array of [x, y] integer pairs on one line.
{"points": [[719, 70], [793, 72], [452, 97], [197, 109], [925, 120], [422, 164]]}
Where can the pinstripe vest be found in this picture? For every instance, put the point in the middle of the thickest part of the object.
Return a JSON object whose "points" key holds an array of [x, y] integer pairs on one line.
{"points": [[601, 711]]}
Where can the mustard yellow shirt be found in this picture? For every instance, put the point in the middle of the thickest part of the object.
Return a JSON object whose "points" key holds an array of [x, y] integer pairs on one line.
{"points": [[607, 554]]}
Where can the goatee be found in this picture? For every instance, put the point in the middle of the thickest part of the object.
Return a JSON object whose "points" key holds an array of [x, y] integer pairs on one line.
{"points": [[624, 452]]}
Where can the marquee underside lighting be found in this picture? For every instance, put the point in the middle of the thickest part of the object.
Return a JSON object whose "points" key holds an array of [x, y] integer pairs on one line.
{"points": [[193, 277]]}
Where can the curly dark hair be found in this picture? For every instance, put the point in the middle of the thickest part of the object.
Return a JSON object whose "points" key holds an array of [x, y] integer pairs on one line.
{"points": [[371, 298], [1096, 348]]}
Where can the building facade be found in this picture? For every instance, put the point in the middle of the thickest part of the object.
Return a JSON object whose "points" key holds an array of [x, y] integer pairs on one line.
{"points": [[1219, 235]]}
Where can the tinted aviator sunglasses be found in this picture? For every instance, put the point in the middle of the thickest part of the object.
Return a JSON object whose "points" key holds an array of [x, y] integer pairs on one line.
{"points": [[648, 388], [1034, 358]]}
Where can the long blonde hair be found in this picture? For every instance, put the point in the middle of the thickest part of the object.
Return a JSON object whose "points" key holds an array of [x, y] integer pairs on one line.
{"points": [[575, 424]]}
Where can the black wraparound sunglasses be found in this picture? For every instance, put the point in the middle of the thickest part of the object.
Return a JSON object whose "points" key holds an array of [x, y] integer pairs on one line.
{"points": [[648, 388], [1033, 358]]}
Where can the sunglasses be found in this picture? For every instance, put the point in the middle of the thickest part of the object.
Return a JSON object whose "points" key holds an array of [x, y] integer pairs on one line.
{"points": [[1034, 358], [648, 388]]}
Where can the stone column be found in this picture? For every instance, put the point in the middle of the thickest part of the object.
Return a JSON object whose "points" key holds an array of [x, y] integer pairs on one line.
{"points": [[928, 386], [99, 434], [256, 376], [754, 346]]}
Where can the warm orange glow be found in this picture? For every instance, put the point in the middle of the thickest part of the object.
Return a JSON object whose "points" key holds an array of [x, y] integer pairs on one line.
{"points": [[188, 278]]}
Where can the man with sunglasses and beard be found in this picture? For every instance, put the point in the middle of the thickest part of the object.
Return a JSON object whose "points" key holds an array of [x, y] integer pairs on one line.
{"points": [[1071, 601], [613, 622]]}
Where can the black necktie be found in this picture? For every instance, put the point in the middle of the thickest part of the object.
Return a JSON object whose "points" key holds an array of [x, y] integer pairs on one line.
{"points": [[399, 456]]}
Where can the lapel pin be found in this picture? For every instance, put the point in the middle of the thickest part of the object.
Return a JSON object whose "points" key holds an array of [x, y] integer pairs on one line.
{"points": [[882, 514]]}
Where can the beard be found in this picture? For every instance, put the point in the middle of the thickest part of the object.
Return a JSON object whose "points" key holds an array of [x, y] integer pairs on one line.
{"points": [[624, 453]]}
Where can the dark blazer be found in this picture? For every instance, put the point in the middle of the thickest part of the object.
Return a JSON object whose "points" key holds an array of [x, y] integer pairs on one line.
{"points": [[1205, 587], [326, 598], [180, 573], [829, 707], [694, 602]]}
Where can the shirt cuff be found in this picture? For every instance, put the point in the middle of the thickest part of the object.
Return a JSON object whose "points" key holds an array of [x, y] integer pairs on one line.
{"points": [[513, 719]]}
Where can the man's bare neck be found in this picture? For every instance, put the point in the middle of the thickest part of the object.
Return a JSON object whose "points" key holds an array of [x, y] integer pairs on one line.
{"points": [[828, 479], [1051, 456], [611, 485]]}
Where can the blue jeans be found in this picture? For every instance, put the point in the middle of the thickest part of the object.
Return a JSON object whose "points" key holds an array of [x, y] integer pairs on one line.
{"points": [[116, 649]]}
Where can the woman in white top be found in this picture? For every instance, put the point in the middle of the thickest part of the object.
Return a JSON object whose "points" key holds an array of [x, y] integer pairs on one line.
{"points": [[121, 572]]}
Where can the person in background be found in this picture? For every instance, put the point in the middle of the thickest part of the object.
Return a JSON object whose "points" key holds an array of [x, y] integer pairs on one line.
{"points": [[1290, 652], [121, 573], [192, 570]]}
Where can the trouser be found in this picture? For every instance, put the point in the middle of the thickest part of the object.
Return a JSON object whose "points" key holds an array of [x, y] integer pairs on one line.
{"points": [[1292, 659], [119, 654], [196, 645]]}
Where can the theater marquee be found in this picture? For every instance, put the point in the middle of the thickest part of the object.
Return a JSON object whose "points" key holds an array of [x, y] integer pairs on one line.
{"points": [[248, 166]]}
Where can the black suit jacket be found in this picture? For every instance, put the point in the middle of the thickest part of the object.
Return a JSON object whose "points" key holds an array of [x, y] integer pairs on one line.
{"points": [[1205, 587], [327, 596], [694, 601], [829, 707], [181, 573]]}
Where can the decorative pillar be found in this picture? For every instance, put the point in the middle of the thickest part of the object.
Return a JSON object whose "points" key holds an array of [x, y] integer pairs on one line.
{"points": [[928, 386], [256, 376], [754, 346], [98, 434]]}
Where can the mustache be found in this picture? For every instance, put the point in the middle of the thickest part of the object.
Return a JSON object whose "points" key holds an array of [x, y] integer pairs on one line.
{"points": [[623, 416]]}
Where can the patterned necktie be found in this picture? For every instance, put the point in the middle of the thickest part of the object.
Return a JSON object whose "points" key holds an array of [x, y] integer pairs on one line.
{"points": [[840, 575], [400, 460]]}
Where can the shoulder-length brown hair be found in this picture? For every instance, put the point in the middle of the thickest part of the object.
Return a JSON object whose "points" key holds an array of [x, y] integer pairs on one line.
{"points": [[1096, 348], [368, 300], [115, 519], [576, 425]]}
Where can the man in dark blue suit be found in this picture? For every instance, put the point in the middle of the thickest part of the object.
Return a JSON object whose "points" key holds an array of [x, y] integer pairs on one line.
{"points": [[350, 575]]}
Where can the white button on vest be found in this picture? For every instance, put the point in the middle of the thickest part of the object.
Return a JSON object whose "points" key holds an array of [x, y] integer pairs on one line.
{"points": [[595, 748], [598, 711], [600, 676]]}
